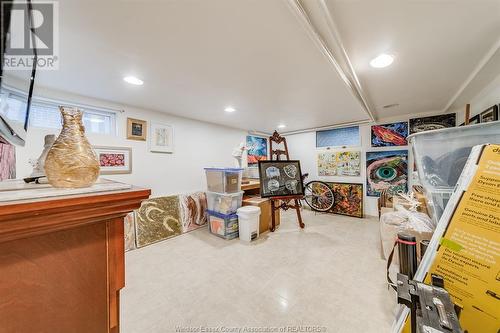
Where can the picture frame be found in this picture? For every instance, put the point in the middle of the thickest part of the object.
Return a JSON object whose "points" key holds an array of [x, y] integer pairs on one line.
{"points": [[114, 160], [475, 120], [161, 138], [257, 149], [280, 179], [489, 115], [348, 199], [386, 170], [429, 123], [136, 129], [339, 137]]}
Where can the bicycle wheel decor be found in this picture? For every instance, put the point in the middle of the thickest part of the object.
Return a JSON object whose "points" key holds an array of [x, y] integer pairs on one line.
{"points": [[318, 196]]}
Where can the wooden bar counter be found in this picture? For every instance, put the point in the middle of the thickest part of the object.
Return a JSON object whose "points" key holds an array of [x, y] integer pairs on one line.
{"points": [[62, 260]]}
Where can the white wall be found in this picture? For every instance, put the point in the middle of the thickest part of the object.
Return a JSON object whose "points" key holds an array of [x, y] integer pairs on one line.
{"points": [[197, 145], [303, 147]]}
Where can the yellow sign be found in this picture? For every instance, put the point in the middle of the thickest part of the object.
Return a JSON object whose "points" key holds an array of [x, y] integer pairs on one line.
{"points": [[469, 253]]}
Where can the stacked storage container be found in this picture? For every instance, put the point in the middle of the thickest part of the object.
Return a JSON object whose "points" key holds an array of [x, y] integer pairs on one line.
{"points": [[224, 197]]}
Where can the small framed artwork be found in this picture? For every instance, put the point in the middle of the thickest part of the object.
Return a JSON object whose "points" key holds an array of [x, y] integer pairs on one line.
{"points": [[490, 114], [161, 138], [474, 120], [136, 129], [114, 160]]}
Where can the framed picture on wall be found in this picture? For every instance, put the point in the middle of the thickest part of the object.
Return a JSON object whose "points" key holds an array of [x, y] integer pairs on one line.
{"points": [[338, 137], [136, 129], [161, 138], [418, 125], [280, 178], [490, 114], [114, 160], [348, 199], [257, 149], [475, 120]]}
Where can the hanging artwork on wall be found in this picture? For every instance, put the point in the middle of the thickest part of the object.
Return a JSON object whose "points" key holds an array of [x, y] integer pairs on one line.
{"points": [[386, 170], [474, 120], [114, 160], [433, 122], [348, 199], [338, 137], [345, 163], [257, 149], [157, 219], [393, 134], [136, 129], [490, 114], [280, 178], [7, 161], [161, 138], [193, 210]]}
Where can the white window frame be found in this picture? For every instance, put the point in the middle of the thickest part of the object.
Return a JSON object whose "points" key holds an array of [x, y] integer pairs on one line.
{"points": [[87, 109]]}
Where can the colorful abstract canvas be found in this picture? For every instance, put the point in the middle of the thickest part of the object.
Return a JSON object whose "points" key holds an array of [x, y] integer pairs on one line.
{"points": [[157, 219], [7, 161], [129, 226], [338, 137], [257, 149], [433, 122], [386, 170], [393, 134], [193, 210], [339, 163], [348, 199]]}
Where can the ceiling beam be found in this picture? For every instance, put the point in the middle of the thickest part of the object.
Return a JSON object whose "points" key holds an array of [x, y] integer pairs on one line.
{"points": [[353, 85]]}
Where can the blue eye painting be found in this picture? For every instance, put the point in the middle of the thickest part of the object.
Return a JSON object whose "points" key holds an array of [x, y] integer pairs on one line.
{"points": [[386, 170]]}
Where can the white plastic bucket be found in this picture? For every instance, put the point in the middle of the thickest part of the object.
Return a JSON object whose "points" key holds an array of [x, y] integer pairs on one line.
{"points": [[248, 220]]}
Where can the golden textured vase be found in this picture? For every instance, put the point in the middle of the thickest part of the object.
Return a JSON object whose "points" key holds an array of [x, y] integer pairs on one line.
{"points": [[71, 162]]}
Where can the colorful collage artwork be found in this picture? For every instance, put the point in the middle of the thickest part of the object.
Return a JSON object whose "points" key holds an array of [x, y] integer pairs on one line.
{"points": [[257, 149], [389, 134], [338, 137], [339, 163], [386, 170], [348, 199]]}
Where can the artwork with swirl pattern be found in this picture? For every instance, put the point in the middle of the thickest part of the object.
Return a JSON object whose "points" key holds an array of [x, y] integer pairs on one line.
{"points": [[158, 219]]}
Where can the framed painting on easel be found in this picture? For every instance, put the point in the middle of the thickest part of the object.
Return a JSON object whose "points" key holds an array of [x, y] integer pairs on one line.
{"points": [[280, 178]]}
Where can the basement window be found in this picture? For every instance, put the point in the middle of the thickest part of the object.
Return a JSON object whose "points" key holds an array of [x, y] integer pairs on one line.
{"points": [[45, 113]]}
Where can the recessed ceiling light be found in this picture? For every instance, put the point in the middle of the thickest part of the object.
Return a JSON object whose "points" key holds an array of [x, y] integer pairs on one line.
{"points": [[281, 126], [229, 109], [381, 61], [133, 80]]}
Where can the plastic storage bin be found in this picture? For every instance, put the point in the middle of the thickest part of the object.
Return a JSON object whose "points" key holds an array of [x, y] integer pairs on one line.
{"points": [[440, 157], [224, 180], [224, 203], [223, 225], [248, 222]]}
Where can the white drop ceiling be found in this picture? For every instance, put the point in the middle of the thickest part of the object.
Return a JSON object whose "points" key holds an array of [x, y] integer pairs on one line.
{"points": [[198, 56]]}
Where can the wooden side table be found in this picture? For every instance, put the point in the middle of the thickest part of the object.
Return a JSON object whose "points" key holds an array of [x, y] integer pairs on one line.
{"points": [[62, 261]]}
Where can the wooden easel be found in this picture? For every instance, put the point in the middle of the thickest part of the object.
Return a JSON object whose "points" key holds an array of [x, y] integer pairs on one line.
{"points": [[285, 201]]}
